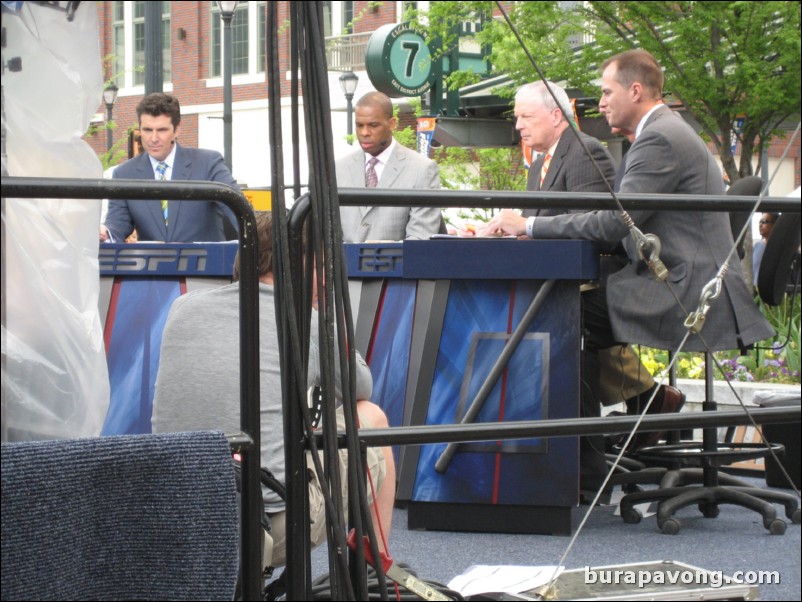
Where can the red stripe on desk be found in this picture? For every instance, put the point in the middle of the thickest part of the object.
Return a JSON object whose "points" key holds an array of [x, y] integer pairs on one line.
{"points": [[112, 313], [497, 470], [376, 322]]}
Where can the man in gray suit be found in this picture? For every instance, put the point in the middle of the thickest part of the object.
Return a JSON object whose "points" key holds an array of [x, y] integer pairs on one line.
{"points": [[564, 166], [666, 157], [382, 162], [159, 118]]}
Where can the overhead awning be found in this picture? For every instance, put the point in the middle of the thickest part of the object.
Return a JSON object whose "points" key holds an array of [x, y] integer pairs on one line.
{"points": [[485, 116]]}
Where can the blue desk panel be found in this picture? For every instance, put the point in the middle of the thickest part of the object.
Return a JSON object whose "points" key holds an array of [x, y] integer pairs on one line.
{"points": [[139, 283], [434, 317]]}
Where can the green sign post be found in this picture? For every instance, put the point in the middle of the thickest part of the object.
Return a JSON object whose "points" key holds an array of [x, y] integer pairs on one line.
{"points": [[398, 61]]}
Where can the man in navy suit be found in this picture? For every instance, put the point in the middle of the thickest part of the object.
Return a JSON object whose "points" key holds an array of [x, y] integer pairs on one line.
{"points": [[164, 159]]}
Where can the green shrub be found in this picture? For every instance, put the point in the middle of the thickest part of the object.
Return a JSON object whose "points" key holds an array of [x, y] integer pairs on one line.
{"points": [[775, 360]]}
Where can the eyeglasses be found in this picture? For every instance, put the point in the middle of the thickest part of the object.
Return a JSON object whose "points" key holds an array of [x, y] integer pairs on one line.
{"points": [[763, 222]]}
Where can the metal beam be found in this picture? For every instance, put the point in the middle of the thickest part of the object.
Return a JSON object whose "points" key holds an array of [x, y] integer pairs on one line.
{"points": [[475, 133]]}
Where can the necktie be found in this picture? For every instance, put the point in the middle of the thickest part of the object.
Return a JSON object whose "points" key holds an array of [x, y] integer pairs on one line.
{"points": [[544, 170], [371, 179], [161, 168]]}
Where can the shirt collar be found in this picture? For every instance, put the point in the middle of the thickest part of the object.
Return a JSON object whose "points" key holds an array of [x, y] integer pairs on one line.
{"points": [[383, 156], [169, 159], [642, 122]]}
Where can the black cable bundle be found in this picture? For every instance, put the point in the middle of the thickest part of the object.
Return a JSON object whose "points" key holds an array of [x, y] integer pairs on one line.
{"points": [[293, 278]]}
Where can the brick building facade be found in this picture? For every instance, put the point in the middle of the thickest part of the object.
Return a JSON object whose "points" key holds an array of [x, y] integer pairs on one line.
{"points": [[192, 32]]}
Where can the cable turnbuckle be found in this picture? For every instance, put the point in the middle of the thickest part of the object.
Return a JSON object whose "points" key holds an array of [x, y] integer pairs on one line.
{"points": [[649, 247], [712, 290]]}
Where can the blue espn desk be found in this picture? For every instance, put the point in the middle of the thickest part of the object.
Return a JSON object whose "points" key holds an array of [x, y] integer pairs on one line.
{"points": [[138, 284], [431, 318]]}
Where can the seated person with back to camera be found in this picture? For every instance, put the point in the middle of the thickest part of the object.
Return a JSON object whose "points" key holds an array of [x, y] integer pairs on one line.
{"points": [[197, 388]]}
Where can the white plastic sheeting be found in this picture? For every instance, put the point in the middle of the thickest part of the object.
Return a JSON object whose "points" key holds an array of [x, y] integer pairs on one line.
{"points": [[55, 380]]}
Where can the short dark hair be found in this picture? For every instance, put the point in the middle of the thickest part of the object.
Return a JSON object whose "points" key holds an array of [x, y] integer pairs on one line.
{"points": [[379, 100], [159, 103], [264, 234], [637, 66]]}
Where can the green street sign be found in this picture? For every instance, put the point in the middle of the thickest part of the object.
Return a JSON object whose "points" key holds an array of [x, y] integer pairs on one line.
{"points": [[398, 61]]}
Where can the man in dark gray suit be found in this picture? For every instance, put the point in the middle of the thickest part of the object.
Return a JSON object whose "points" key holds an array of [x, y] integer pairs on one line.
{"points": [[666, 157], [543, 127], [542, 110], [381, 162], [159, 118]]}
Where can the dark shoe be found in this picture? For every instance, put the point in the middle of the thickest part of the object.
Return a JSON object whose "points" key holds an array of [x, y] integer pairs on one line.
{"points": [[589, 484], [589, 487], [667, 401], [587, 496], [614, 443]]}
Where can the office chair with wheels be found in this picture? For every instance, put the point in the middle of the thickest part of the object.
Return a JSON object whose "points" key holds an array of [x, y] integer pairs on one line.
{"points": [[698, 463], [780, 259], [748, 186]]}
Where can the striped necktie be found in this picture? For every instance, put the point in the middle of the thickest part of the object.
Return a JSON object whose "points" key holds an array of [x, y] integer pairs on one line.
{"points": [[161, 168], [545, 169]]}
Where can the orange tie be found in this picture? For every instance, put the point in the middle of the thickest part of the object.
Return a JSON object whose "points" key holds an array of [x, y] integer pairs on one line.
{"points": [[544, 170]]}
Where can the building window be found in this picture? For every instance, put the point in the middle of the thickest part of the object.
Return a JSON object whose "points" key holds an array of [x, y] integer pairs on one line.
{"points": [[128, 43], [262, 40], [404, 7], [248, 39], [338, 18]]}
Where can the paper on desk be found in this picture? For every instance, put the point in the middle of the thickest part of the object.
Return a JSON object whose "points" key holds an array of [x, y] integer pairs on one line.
{"points": [[511, 579], [458, 237]]}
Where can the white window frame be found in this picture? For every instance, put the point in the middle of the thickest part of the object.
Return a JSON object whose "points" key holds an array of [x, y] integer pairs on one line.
{"points": [[337, 20], [125, 80], [423, 7], [253, 76]]}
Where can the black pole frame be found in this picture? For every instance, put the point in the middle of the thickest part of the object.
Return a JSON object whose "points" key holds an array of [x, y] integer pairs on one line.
{"points": [[247, 442]]}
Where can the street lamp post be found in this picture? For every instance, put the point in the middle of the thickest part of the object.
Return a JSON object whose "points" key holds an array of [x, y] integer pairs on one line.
{"points": [[227, 15], [109, 96], [348, 82]]}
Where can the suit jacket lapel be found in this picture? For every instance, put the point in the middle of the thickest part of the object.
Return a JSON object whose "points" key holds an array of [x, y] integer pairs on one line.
{"points": [[533, 182], [144, 171], [395, 164], [533, 178], [390, 174], [182, 170], [660, 113], [562, 148], [358, 177]]}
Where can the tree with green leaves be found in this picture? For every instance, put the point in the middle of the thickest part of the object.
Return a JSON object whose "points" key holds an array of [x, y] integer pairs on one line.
{"points": [[733, 65]]}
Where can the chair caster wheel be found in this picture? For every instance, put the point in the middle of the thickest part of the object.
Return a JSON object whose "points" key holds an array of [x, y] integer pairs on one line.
{"points": [[708, 509], [670, 526], [631, 516], [777, 527], [796, 516]]}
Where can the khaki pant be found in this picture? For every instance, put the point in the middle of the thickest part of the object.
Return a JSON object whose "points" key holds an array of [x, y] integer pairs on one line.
{"points": [[621, 375], [317, 509]]}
